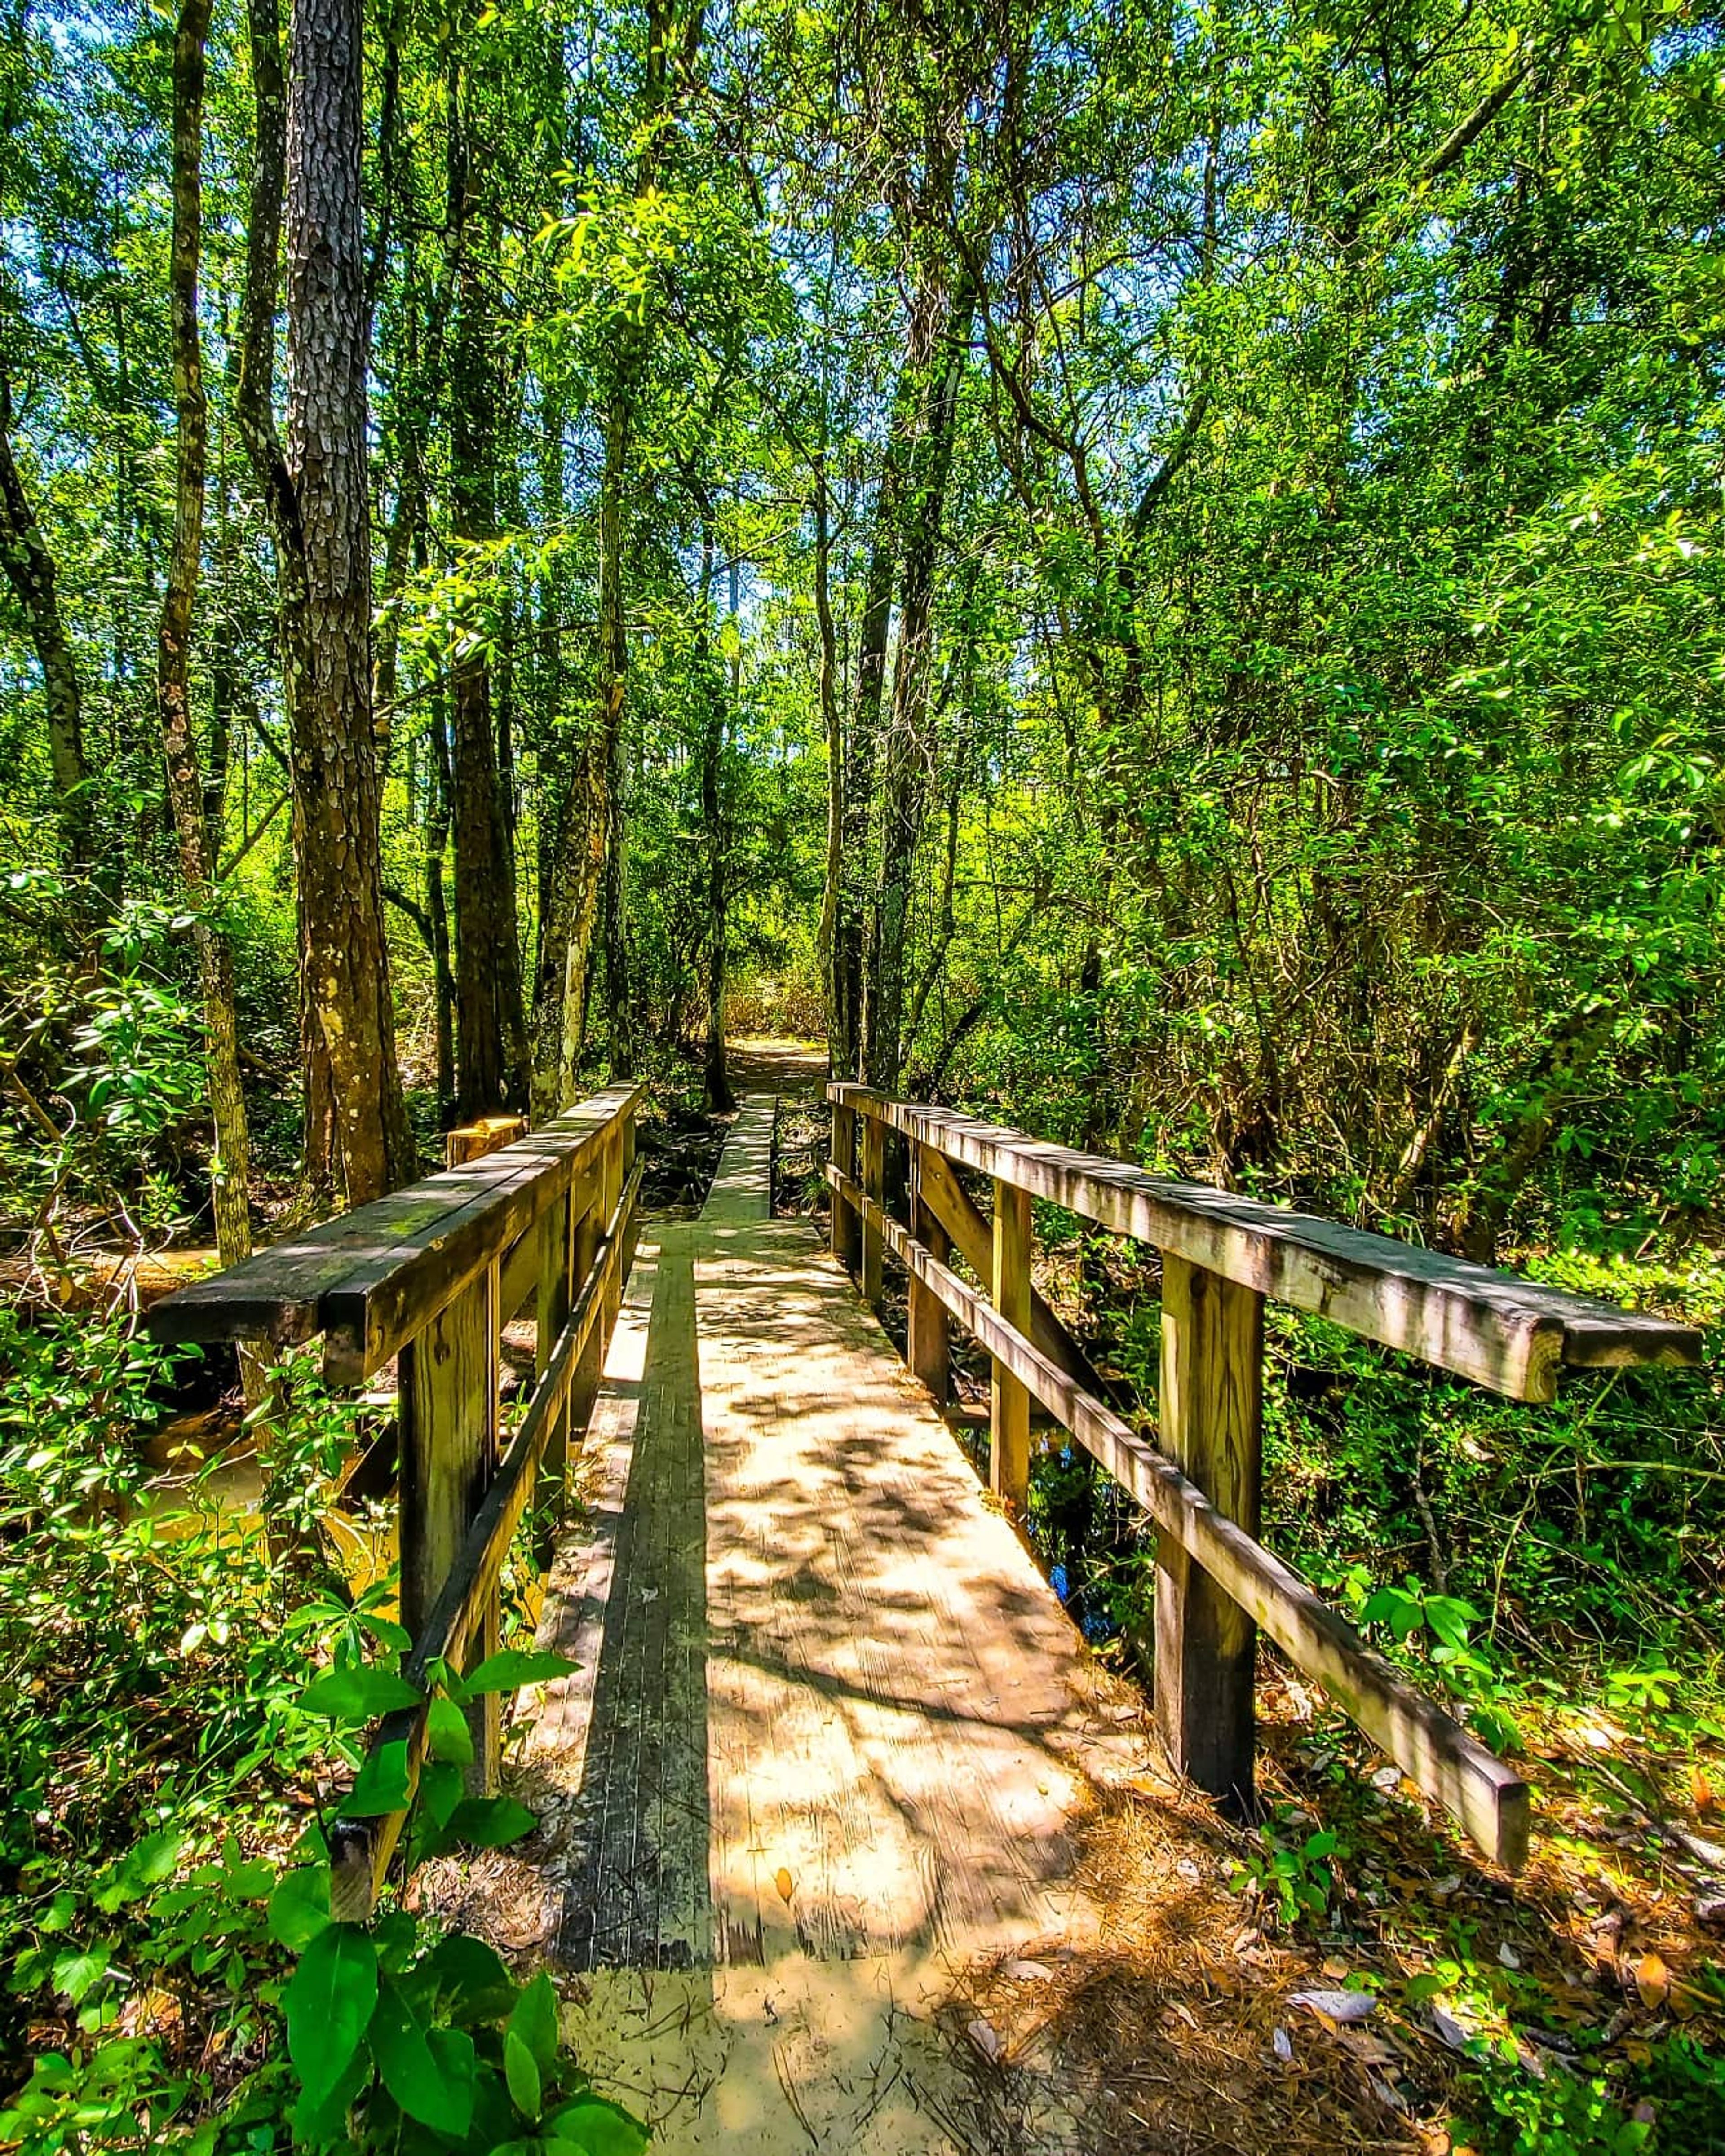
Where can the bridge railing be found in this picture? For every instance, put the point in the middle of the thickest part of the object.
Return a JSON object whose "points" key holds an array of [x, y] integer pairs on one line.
{"points": [[1223, 1256], [426, 1278]]}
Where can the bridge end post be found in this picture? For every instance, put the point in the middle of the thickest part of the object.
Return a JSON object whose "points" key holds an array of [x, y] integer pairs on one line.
{"points": [[1211, 1416], [447, 1392], [1009, 1401]]}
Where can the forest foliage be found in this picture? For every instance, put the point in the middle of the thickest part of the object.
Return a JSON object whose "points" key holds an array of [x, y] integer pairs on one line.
{"points": [[1153, 568]]}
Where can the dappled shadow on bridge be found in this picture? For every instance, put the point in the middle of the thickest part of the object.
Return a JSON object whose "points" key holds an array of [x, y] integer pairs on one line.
{"points": [[636, 1835]]}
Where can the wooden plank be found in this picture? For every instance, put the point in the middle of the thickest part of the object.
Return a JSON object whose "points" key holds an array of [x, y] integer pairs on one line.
{"points": [[519, 1268], [1507, 1334], [556, 1298], [874, 1178], [283, 1294], [448, 1452], [1009, 1401], [384, 1301], [1487, 1797], [949, 1203], [473, 1141], [846, 1246], [927, 1346], [361, 1849], [1210, 1416]]}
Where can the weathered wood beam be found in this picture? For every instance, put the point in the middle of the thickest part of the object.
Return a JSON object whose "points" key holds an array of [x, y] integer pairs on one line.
{"points": [[1510, 1334], [1487, 1797], [355, 1276], [874, 1181], [1210, 1419], [927, 1344], [973, 1237], [843, 1226], [1009, 1400], [360, 1849]]}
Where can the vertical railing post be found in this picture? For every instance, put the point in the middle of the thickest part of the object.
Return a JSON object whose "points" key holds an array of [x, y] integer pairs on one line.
{"points": [[584, 1203], [556, 1297], [927, 1342], [1211, 1426], [874, 1183], [1008, 1403], [448, 1395], [611, 1175], [844, 1157]]}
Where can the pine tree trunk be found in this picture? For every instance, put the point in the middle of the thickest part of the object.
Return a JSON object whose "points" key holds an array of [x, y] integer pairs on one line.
{"points": [[328, 619], [490, 1033], [196, 829]]}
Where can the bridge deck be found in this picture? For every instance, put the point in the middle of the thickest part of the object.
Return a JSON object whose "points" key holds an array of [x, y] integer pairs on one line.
{"points": [[828, 1713]]}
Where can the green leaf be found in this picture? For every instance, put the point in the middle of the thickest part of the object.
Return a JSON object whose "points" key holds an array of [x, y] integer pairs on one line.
{"points": [[468, 1976], [448, 1735], [325, 2118], [300, 1907], [382, 1785], [597, 2128], [522, 2071], [78, 1973], [515, 1667], [490, 1822], [146, 1865], [535, 2021], [1449, 1617], [429, 2072], [357, 1695], [440, 1787], [329, 2003]]}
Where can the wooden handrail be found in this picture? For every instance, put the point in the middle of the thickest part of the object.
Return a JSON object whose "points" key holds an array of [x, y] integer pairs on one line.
{"points": [[1222, 1256], [368, 1278], [360, 1849], [430, 1277], [1510, 1334]]}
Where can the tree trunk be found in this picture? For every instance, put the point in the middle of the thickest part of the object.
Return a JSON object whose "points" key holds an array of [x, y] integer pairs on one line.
{"points": [[230, 1163], [934, 365], [490, 1033], [29, 570], [328, 620]]}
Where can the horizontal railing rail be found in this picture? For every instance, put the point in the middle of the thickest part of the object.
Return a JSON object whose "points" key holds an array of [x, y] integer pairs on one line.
{"points": [[430, 1277], [1223, 1256]]}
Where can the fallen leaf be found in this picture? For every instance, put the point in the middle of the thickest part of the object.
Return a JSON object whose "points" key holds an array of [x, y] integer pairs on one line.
{"points": [[1508, 1956], [1337, 2005], [1701, 1791], [1336, 1966], [1283, 2046], [786, 1885], [1028, 1972], [1449, 2029], [987, 2039], [1710, 1907], [1653, 1980]]}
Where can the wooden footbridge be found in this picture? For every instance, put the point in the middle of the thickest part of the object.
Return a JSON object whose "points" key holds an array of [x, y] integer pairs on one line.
{"points": [[828, 1720]]}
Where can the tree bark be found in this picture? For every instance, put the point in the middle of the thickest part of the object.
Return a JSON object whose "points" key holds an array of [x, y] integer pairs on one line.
{"points": [[230, 1162], [491, 1060], [327, 619], [937, 353], [30, 569]]}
